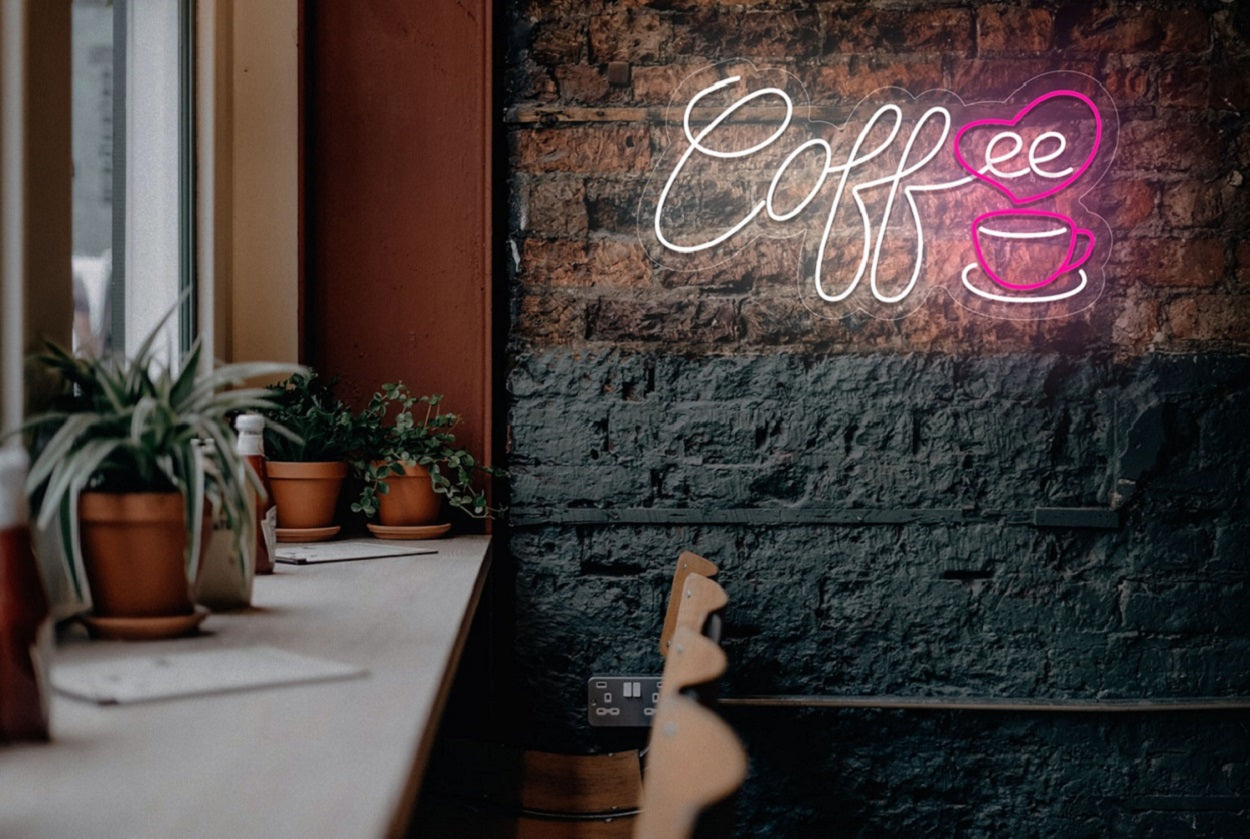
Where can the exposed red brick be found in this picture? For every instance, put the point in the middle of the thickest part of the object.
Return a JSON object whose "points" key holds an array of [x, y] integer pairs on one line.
{"points": [[860, 30], [1210, 318], [551, 318], [581, 83], [1128, 29], [577, 264], [1232, 31], [556, 9], [633, 35], [1125, 204], [558, 42], [1182, 316], [761, 262], [777, 321], [779, 35], [657, 84], [535, 84], [1243, 263], [938, 30], [554, 262], [992, 78], [612, 204], [681, 321], [1171, 263], [1137, 323], [1185, 30], [619, 264], [1165, 144], [851, 79], [1013, 30], [583, 148], [1187, 86], [1171, 200], [1193, 203], [702, 32], [554, 207], [1128, 84]]}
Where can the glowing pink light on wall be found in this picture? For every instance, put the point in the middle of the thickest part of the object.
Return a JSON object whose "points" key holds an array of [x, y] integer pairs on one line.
{"points": [[992, 175], [869, 180]]}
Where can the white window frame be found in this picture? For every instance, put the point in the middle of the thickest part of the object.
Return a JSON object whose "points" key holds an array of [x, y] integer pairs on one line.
{"points": [[247, 179]]}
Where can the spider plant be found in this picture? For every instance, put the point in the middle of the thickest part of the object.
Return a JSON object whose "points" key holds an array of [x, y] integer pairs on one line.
{"points": [[121, 424]]}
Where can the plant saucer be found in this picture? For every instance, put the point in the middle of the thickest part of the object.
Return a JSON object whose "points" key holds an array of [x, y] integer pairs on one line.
{"points": [[307, 534], [144, 628], [419, 531]]}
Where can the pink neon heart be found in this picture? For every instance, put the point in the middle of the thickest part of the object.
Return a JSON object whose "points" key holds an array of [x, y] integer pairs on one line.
{"points": [[1012, 123]]}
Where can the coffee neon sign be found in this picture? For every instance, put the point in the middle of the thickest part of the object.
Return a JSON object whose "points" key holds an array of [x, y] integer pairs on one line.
{"points": [[886, 201]]}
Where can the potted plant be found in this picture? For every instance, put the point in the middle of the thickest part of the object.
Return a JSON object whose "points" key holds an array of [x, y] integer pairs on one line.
{"points": [[308, 443], [127, 460], [409, 463]]}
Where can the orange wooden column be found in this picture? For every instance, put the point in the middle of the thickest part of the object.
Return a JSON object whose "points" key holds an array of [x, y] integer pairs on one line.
{"points": [[397, 196]]}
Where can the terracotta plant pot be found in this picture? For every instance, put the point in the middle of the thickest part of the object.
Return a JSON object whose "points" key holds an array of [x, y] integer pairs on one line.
{"points": [[306, 494], [411, 500], [133, 547]]}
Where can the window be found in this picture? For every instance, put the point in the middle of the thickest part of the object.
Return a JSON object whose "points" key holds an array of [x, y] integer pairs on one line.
{"points": [[133, 202]]}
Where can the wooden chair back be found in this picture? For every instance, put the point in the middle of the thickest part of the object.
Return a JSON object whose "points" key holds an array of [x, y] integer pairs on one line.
{"points": [[687, 563], [694, 761], [700, 597], [693, 659]]}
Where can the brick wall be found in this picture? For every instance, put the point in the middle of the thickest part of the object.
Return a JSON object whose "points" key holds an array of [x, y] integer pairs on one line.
{"points": [[868, 476]]}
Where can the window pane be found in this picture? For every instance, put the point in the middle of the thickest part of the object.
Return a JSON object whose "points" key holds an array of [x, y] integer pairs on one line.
{"points": [[132, 193], [93, 140]]}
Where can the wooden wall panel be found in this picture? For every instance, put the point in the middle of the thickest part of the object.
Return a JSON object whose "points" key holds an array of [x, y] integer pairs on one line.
{"points": [[397, 196]]}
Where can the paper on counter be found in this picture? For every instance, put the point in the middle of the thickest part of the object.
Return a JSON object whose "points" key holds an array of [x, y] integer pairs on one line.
{"points": [[143, 678], [307, 553]]}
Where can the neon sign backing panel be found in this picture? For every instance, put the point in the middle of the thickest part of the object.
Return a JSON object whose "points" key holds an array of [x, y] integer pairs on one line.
{"points": [[910, 196]]}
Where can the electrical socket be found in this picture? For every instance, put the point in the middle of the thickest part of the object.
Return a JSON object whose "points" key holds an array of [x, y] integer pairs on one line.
{"points": [[624, 701]]}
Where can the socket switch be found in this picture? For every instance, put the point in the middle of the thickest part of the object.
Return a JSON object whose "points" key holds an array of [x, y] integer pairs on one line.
{"points": [[624, 701]]}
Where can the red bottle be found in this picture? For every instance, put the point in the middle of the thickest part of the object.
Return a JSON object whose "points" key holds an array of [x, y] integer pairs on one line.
{"points": [[25, 627], [251, 446]]}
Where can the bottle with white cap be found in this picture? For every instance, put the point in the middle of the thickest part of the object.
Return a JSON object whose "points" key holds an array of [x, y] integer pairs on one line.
{"points": [[251, 446], [25, 625]]}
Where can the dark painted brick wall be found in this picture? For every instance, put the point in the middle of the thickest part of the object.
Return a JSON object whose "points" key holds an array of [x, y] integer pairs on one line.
{"points": [[1155, 608], [870, 486]]}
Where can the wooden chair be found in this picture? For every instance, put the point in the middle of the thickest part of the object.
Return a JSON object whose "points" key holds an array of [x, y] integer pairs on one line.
{"points": [[693, 660], [701, 598], [694, 761], [496, 791], [687, 563], [492, 790]]}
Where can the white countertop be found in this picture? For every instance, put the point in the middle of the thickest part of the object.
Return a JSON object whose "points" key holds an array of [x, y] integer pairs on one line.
{"points": [[341, 759]]}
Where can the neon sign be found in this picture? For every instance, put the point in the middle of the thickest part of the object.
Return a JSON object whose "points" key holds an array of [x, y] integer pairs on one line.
{"points": [[910, 195]]}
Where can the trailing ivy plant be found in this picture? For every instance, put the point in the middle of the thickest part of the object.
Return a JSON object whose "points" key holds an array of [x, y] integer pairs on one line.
{"points": [[397, 428]]}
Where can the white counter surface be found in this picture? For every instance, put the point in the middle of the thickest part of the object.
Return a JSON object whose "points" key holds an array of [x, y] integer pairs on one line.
{"points": [[340, 758]]}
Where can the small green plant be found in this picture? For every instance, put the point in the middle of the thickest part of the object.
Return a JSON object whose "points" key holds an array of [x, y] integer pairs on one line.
{"points": [[397, 427], [324, 428], [119, 424]]}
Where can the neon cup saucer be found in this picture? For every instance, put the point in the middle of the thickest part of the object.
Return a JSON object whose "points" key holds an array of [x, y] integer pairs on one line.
{"points": [[974, 269]]}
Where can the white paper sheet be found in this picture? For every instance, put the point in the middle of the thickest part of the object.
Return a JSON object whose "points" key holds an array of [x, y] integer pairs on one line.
{"points": [[307, 553], [144, 678]]}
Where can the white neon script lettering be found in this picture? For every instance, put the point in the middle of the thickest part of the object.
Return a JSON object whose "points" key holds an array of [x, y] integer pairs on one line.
{"points": [[1004, 146], [696, 144]]}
